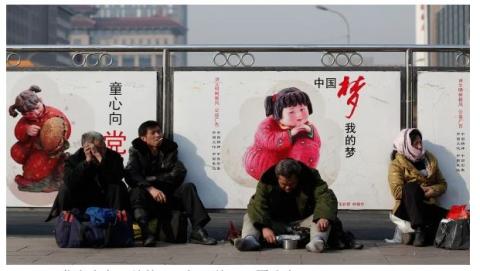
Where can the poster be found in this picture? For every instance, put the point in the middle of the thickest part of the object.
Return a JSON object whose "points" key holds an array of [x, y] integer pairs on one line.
{"points": [[444, 119], [356, 113], [112, 103]]}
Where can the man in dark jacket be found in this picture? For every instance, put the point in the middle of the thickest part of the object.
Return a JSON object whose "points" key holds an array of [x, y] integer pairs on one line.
{"points": [[92, 178], [289, 194], [156, 177]]}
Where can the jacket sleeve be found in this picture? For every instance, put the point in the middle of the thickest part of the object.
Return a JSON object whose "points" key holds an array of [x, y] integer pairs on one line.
{"points": [[21, 130], [133, 171], [111, 169], [326, 204], [76, 173], [176, 171], [272, 139], [396, 180], [441, 186], [258, 207]]}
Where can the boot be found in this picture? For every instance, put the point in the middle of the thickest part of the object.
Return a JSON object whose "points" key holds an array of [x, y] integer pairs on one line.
{"points": [[419, 237], [200, 236], [142, 219]]}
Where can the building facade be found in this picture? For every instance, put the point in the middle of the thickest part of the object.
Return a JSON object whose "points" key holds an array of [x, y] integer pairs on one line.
{"points": [[40, 25], [134, 25], [442, 24]]}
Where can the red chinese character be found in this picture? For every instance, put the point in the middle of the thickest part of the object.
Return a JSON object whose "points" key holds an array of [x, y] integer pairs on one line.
{"points": [[353, 99], [115, 141]]}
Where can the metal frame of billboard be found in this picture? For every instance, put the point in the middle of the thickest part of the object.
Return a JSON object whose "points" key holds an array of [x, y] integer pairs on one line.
{"points": [[165, 85]]}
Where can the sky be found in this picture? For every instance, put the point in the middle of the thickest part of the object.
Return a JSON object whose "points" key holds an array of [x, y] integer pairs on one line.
{"points": [[299, 24]]}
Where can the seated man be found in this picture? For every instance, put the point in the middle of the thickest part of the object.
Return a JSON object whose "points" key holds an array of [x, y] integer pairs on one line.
{"points": [[92, 178], [156, 177], [289, 194]]}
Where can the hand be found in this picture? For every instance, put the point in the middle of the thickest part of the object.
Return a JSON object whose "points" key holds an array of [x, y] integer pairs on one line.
{"points": [[33, 130], [323, 224], [428, 190], [96, 154], [87, 150], [301, 128], [157, 194], [269, 235]]}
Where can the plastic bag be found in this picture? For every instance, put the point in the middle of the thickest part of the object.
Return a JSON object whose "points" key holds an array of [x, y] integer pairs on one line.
{"points": [[453, 234], [458, 212], [403, 225]]}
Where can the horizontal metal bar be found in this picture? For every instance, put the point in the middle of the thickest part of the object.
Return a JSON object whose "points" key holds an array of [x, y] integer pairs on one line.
{"points": [[240, 48]]}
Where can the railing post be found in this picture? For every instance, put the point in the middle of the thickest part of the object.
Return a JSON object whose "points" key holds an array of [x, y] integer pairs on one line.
{"points": [[166, 120], [409, 90]]}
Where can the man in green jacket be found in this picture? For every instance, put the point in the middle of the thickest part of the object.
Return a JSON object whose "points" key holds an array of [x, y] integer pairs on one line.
{"points": [[289, 194]]}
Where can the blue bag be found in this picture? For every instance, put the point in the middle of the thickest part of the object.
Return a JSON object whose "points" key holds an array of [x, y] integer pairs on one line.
{"points": [[101, 216], [120, 234], [67, 229], [97, 229]]}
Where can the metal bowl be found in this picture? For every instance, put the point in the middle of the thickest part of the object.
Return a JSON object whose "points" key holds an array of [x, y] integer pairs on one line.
{"points": [[290, 244]]}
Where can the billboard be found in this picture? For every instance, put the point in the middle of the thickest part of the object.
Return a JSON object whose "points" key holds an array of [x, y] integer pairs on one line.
{"points": [[112, 103], [218, 117], [443, 106]]}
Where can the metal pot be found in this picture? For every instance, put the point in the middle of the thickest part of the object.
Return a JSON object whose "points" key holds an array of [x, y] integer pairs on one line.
{"points": [[289, 244]]}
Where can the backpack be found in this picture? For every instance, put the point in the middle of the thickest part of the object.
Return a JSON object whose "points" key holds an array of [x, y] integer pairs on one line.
{"points": [[340, 239], [173, 228]]}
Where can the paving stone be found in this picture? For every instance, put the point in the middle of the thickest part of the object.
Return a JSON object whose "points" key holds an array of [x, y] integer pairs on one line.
{"points": [[22, 259]]}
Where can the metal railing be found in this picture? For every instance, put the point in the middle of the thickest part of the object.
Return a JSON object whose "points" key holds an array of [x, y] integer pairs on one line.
{"points": [[242, 55]]}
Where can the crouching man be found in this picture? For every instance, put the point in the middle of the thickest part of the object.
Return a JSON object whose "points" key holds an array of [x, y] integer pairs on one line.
{"points": [[92, 178], [289, 194]]}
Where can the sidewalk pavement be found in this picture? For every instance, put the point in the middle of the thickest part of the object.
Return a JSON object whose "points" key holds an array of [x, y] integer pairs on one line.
{"points": [[30, 241]]}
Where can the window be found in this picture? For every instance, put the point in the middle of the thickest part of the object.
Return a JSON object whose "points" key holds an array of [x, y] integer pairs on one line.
{"points": [[77, 41], [145, 61], [127, 61], [114, 61]]}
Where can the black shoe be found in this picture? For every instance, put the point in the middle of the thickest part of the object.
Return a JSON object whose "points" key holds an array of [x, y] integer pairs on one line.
{"points": [[248, 243], [200, 236], [149, 241], [419, 238]]}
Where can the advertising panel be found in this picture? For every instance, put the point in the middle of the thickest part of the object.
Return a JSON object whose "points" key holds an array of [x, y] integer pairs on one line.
{"points": [[65, 105], [227, 137], [444, 119]]}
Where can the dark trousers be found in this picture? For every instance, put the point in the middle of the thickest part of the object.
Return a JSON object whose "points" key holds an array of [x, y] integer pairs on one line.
{"points": [[414, 209], [184, 198], [111, 196]]}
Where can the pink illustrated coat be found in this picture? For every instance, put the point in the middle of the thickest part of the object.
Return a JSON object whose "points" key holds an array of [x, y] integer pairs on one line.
{"points": [[272, 144]]}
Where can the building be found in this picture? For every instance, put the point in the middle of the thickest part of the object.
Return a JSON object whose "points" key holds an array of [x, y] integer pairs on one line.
{"points": [[39, 25], [131, 25], [442, 24]]}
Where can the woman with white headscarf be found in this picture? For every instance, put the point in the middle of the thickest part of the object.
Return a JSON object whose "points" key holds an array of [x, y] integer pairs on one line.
{"points": [[415, 182]]}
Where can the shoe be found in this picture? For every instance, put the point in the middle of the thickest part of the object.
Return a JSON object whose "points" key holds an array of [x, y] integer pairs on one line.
{"points": [[148, 237], [200, 236], [149, 241], [317, 246], [419, 238], [249, 243], [407, 238]]}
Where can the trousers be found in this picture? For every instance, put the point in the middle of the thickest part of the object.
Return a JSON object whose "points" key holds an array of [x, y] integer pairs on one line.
{"points": [[249, 229], [184, 198]]}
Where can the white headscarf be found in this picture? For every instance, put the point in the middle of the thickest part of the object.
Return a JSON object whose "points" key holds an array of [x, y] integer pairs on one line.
{"points": [[402, 144]]}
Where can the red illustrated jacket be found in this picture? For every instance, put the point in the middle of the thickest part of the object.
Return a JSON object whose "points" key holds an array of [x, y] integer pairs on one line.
{"points": [[273, 143], [23, 123]]}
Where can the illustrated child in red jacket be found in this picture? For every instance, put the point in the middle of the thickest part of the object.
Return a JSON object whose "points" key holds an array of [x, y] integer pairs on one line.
{"points": [[285, 133], [42, 135]]}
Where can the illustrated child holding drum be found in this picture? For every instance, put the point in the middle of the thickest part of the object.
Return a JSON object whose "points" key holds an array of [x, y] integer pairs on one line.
{"points": [[42, 135]]}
